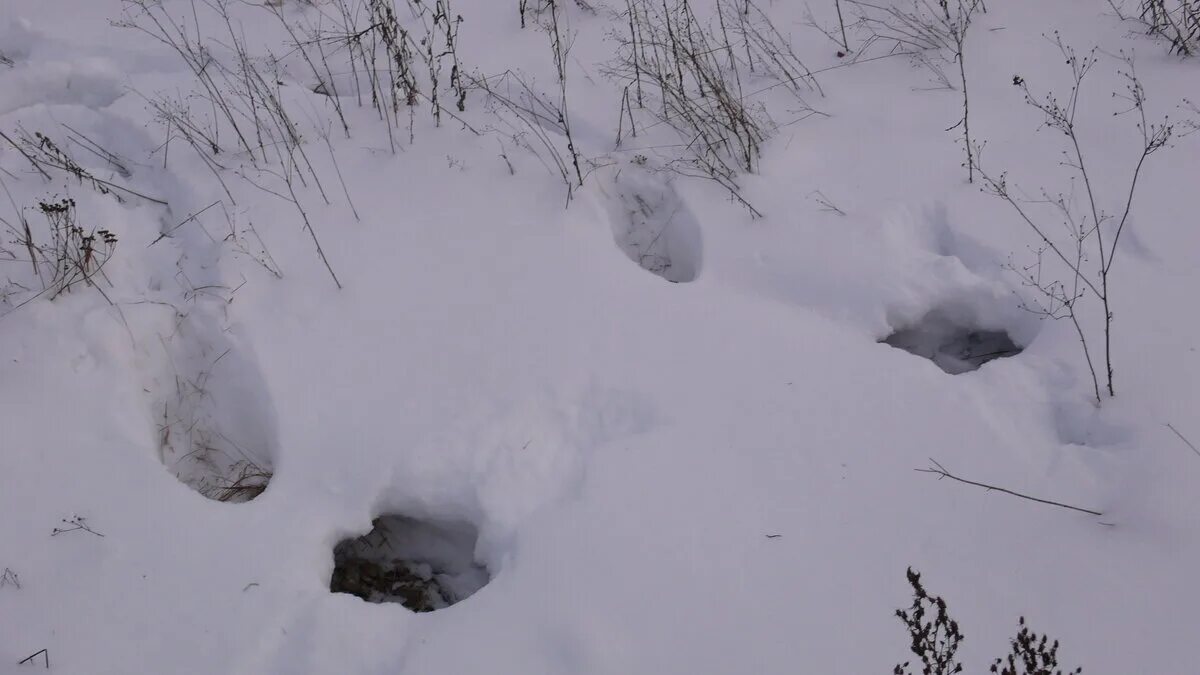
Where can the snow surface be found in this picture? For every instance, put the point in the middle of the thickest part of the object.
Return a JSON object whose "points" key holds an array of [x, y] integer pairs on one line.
{"points": [[709, 476]]}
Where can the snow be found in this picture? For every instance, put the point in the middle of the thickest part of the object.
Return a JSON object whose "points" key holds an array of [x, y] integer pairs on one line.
{"points": [[709, 476]]}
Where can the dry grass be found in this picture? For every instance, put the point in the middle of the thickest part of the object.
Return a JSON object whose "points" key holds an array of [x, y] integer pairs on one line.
{"points": [[247, 481]]}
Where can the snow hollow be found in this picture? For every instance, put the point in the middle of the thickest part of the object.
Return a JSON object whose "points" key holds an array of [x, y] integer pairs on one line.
{"points": [[599, 336]]}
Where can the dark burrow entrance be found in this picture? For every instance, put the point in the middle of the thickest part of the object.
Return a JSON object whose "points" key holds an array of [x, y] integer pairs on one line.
{"points": [[955, 348], [422, 564]]}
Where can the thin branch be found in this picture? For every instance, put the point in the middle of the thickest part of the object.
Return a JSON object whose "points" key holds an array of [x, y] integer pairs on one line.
{"points": [[1183, 438], [26, 155], [44, 653], [187, 220], [77, 523], [941, 473]]}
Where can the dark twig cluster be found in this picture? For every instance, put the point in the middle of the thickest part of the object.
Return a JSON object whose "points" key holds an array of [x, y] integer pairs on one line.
{"points": [[74, 524], [68, 254], [44, 153], [688, 74], [936, 638], [1175, 21], [1031, 655]]}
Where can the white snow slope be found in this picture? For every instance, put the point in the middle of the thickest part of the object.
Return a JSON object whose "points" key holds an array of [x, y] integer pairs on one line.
{"points": [[709, 476]]}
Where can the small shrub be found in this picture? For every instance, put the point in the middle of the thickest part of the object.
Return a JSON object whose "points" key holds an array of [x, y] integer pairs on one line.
{"points": [[934, 642], [1088, 248], [936, 638], [1031, 655], [73, 255]]}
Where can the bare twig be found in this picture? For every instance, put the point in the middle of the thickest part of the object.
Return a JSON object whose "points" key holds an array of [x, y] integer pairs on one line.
{"points": [[45, 654], [10, 578], [77, 523], [941, 473], [842, 25], [825, 203], [83, 141], [26, 155], [43, 151], [185, 221], [1183, 438], [337, 168]]}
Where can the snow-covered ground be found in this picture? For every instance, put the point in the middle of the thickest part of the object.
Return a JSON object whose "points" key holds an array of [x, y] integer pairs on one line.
{"points": [[672, 423]]}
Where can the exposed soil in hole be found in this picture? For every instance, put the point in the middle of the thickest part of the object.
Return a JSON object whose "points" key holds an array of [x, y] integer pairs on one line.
{"points": [[423, 565], [955, 348]]}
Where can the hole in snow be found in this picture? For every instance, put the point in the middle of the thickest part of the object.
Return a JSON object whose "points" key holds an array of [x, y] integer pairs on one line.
{"points": [[422, 564], [955, 346], [654, 228], [213, 417]]}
